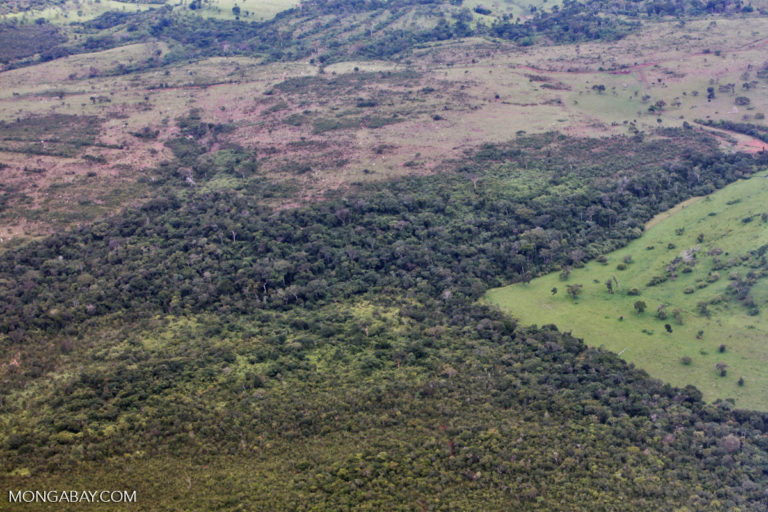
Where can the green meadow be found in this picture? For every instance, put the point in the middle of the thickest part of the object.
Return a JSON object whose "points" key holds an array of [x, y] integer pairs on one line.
{"points": [[704, 265]]}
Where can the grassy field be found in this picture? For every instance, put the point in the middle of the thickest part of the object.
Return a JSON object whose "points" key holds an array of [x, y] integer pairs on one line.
{"points": [[78, 10], [353, 121], [683, 248], [74, 11]]}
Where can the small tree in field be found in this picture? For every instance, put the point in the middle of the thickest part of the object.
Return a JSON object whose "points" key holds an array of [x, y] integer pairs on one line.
{"points": [[640, 306], [574, 290]]}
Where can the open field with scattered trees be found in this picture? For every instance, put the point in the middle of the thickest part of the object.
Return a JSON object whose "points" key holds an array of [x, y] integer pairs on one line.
{"points": [[314, 128], [683, 301]]}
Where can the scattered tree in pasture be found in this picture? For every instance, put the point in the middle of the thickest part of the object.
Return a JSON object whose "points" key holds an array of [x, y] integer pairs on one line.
{"points": [[742, 101], [722, 368], [574, 290]]}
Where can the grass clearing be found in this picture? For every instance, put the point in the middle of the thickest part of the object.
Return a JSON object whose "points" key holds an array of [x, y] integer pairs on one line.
{"points": [[322, 129], [730, 220], [78, 11]]}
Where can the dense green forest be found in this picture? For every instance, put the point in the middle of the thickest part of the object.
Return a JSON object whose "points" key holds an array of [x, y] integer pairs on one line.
{"points": [[201, 324]]}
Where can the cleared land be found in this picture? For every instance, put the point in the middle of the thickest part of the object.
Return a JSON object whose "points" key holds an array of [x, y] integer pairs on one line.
{"points": [[711, 257], [83, 10], [314, 129]]}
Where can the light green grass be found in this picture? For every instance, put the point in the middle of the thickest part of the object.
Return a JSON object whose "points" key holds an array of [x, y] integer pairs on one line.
{"points": [[595, 315], [78, 11], [73, 11], [517, 8], [250, 10]]}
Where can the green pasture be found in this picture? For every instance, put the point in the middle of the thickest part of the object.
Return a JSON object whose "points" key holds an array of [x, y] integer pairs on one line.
{"points": [[730, 220]]}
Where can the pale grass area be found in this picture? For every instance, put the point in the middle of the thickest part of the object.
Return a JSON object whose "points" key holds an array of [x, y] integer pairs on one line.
{"points": [[517, 8], [250, 10], [665, 62], [77, 10], [481, 92], [83, 10], [366, 66]]}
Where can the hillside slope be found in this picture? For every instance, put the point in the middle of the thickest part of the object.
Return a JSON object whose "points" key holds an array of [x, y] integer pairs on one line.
{"points": [[241, 259]]}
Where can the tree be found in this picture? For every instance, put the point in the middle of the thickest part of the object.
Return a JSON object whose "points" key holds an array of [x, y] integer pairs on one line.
{"points": [[742, 101], [236, 10], [609, 285], [721, 367], [640, 306], [731, 443], [668, 328], [554, 290], [574, 290]]}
